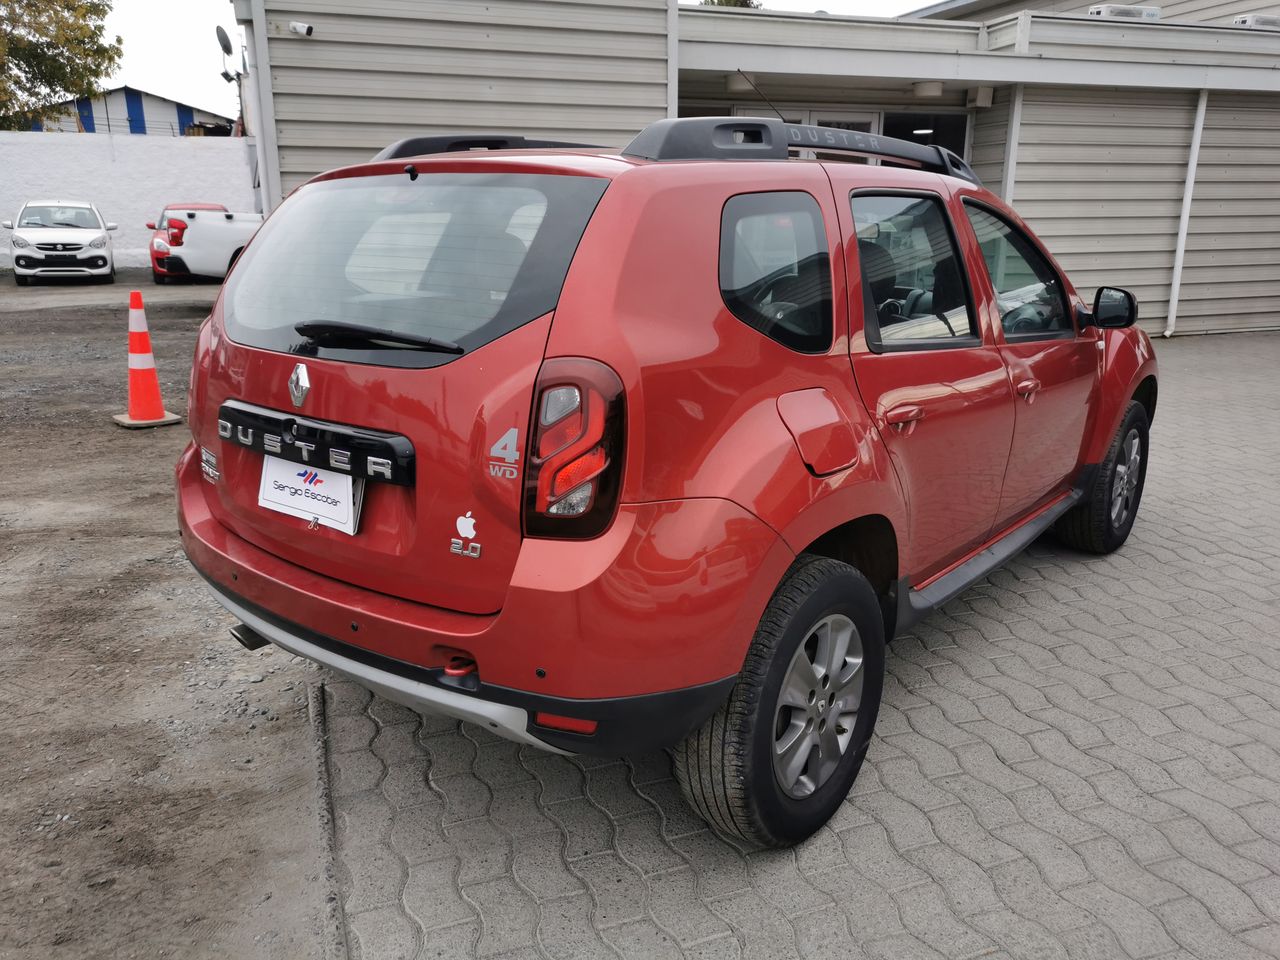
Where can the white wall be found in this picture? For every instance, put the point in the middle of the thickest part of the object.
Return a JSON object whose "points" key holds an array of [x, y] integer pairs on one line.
{"points": [[130, 178]]}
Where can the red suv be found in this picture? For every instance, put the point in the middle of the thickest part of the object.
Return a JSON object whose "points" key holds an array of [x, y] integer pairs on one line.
{"points": [[614, 452]]}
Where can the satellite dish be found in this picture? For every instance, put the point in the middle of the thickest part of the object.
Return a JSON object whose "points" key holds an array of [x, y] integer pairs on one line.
{"points": [[224, 41]]}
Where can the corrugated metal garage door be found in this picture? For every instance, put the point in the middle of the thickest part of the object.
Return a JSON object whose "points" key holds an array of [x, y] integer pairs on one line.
{"points": [[1100, 177], [1231, 271], [990, 139], [374, 72]]}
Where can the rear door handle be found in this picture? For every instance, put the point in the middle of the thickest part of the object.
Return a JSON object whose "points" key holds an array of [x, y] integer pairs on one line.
{"points": [[1028, 389], [904, 418]]}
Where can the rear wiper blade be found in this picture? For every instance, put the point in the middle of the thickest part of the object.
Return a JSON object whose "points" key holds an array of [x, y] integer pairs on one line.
{"points": [[340, 330]]}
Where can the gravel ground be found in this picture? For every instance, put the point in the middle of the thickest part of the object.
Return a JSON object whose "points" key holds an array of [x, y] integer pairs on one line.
{"points": [[157, 782], [70, 293]]}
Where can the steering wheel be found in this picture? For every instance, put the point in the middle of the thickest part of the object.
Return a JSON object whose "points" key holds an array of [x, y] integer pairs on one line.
{"points": [[1027, 318]]}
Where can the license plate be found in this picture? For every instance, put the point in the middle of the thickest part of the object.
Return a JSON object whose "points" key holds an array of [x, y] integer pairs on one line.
{"points": [[323, 497]]}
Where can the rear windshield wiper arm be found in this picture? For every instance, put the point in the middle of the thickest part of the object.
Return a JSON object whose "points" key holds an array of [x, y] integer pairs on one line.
{"points": [[340, 330]]}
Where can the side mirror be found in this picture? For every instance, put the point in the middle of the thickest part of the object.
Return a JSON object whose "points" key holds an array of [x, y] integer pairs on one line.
{"points": [[1114, 308], [7, 224], [151, 224], [113, 226]]}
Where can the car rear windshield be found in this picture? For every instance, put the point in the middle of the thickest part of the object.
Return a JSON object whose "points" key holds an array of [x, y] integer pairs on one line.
{"points": [[464, 258]]}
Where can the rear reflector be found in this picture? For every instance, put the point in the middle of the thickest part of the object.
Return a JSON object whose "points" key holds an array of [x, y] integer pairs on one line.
{"points": [[568, 724]]}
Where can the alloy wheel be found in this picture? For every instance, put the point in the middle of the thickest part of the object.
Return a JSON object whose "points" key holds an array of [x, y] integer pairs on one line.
{"points": [[817, 706], [1124, 486]]}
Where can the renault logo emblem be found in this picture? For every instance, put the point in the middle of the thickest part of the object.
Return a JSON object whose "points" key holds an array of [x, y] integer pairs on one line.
{"points": [[299, 385]]}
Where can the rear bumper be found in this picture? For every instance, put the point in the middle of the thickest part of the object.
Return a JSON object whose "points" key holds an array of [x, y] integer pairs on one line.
{"points": [[625, 725], [645, 642]]}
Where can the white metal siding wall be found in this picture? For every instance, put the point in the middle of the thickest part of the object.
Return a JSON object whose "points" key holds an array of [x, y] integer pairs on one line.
{"points": [[990, 134], [1099, 177], [1017, 6], [375, 72], [1191, 11], [1213, 11], [1231, 273]]}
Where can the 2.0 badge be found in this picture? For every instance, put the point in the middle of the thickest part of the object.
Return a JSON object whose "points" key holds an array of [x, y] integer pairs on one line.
{"points": [[466, 530]]}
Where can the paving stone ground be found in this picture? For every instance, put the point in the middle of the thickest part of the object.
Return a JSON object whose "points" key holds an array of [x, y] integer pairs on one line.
{"points": [[1078, 759]]}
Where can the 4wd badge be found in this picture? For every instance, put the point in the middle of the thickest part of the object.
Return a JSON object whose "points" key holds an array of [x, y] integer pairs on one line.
{"points": [[504, 455]]}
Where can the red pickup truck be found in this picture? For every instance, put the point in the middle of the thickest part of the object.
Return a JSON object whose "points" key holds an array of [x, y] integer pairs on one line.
{"points": [[609, 452]]}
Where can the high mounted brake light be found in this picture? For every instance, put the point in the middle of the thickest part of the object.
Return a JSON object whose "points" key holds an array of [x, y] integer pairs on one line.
{"points": [[574, 472]]}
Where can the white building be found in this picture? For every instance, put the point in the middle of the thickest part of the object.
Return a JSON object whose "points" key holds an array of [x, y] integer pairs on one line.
{"points": [[1145, 153], [130, 110]]}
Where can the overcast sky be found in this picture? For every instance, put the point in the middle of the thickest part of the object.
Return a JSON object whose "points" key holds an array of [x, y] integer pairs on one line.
{"points": [[176, 55]]}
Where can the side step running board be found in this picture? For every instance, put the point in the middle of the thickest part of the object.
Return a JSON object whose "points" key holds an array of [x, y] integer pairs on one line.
{"points": [[915, 605]]}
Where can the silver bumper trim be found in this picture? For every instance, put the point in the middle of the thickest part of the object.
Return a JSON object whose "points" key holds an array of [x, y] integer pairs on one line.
{"points": [[503, 719]]}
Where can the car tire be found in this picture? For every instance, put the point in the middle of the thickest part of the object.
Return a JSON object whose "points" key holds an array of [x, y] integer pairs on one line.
{"points": [[158, 278], [1102, 521], [21, 280], [736, 771]]}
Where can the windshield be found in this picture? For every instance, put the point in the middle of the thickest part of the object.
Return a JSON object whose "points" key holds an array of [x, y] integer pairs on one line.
{"points": [[59, 216], [458, 257]]}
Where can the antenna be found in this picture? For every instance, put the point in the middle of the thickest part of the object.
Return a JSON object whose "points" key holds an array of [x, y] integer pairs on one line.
{"points": [[747, 78]]}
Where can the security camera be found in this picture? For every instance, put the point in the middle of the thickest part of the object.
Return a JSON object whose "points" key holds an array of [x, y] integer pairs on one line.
{"points": [[300, 28]]}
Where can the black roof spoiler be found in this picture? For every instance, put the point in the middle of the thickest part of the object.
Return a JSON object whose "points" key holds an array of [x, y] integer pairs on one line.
{"points": [[765, 138], [462, 142]]}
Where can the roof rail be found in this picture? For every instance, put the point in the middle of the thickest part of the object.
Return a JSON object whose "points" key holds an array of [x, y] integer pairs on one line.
{"points": [[459, 142], [764, 138]]}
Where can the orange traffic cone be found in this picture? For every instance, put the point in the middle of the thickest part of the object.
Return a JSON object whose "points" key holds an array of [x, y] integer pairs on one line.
{"points": [[146, 409]]}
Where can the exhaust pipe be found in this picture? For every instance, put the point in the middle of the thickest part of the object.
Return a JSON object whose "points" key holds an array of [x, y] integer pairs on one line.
{"points": [[248, 638]]}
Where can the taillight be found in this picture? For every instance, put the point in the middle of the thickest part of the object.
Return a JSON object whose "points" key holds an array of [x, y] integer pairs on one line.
{"points": [[574, 473], [176, 229]]}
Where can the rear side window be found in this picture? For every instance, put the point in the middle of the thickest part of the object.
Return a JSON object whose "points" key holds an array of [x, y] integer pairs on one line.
{"points": [[914, 290], [775, 269], [459, 257]]}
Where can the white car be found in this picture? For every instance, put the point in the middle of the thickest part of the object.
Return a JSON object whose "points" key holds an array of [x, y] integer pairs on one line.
{"points": [[61, 238], [199, 240]]}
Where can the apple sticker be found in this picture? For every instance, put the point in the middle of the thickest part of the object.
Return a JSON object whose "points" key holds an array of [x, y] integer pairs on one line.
{"points": [[466, 526]]}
